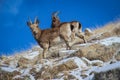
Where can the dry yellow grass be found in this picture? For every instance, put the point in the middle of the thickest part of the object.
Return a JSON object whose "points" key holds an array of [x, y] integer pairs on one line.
{"points": [[97, 51], [108, 28]]}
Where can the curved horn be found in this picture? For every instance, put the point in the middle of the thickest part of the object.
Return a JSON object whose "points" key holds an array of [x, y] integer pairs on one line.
{"points": [[30, 20], [55, 14], [36, 20]]}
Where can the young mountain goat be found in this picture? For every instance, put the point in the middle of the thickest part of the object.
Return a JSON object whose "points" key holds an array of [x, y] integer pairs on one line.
{"points": [[45, 37], [76, 26]]}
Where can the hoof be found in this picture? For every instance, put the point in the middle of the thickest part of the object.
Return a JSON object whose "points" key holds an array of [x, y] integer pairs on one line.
{"points": [[69, 48], [85, 41]]}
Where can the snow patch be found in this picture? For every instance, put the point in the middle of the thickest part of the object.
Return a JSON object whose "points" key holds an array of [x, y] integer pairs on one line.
{"points": [[108, 67], [37, 67], [79, 62], [109, 41], [25, 71], [48, 63], [93, 62], [31, 55], [31, 77], [17, 76], [84, 44], [90, 77], [8, 69], [76, 73], [104, 68], [66, 52], [87, 29], [13, 64]]}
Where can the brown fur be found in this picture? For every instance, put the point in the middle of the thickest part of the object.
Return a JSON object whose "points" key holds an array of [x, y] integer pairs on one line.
{"points": [[75, 26], [45, 37]]}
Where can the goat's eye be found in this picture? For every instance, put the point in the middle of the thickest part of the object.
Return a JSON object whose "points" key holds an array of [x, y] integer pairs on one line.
{"points": [[54, 20]]}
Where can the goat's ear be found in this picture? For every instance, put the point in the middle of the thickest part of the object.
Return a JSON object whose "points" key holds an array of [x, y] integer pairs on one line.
{"points": [[28, 23]]}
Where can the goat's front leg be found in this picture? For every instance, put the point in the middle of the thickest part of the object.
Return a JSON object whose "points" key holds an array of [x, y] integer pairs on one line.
{"points": [[45, 49], [44, 53], [81, 36], [66, 39]]}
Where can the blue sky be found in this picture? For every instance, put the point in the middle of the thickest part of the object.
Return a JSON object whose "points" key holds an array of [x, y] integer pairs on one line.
{"points": [[15, 35]]}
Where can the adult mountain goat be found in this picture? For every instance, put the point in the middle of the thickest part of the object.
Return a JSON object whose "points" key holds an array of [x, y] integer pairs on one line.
{"points": [[76, 26]]}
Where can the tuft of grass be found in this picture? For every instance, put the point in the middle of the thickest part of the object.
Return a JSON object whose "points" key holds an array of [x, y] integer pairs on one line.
{"points": [[8, 75], [108, 27], [116, 30], [108, 30]]}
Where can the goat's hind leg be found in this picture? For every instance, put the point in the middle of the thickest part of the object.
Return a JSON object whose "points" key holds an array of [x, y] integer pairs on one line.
{"points": [[72, 36]]}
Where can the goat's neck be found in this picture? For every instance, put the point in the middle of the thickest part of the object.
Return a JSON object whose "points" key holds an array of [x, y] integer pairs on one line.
{"points": [[37, 35], [55, 24]]}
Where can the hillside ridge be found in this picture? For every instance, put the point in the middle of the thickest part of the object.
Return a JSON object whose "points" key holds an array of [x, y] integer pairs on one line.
{"points": [[98, 59]]}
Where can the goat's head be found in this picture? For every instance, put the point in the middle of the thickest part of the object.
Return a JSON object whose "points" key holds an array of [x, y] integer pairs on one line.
{"points": [[54, 16], [55, 20], [34, 26]]}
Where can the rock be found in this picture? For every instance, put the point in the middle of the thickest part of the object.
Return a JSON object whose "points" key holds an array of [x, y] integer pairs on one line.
{"points": [[70, 77], [60, 66], [116, 30], [8, 75], [24, 63], [44, 73], [69, 64], [117, 56], [11, 62], [97, 51], [97, 63], [3, 57], [93, 62], [88, 32], [84, 75], [108, 75]]}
